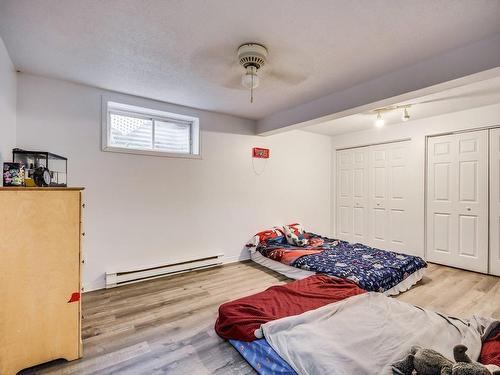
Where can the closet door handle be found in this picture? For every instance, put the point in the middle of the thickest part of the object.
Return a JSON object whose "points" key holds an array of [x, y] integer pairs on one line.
{"points": [[468, 208]]}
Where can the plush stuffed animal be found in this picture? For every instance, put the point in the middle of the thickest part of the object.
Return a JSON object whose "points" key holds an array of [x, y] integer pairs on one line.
{"points": [[424, 361], [460, 355], [295, 235], [430, 362], [465, 366]]}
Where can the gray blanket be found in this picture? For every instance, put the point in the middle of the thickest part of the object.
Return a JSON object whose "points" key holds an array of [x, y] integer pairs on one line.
{"points": [[366, 333]]}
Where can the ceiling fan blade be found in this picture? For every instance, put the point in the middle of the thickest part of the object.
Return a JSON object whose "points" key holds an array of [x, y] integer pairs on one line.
{"points": [[234, 83], [216, 64], [220, 65], [289, 78]]}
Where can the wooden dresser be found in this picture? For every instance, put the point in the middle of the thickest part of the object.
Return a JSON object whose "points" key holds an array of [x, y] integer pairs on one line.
{"points": [[40, 315]]}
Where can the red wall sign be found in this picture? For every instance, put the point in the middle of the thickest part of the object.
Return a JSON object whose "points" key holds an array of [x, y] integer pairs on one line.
{"points": [[262, 153]]}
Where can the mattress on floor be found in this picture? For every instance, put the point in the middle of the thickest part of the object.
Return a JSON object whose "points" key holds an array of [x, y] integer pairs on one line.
{"points": [[365, 334], [266, 361], [298, 274], [372, 269]]}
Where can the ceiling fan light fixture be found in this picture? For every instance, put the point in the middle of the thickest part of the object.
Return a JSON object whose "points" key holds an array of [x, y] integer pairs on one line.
{"points": [[250, 79], [379, 122]]}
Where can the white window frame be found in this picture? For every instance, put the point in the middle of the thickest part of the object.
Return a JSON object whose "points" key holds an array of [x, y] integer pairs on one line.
{"points": [[122, 107]]}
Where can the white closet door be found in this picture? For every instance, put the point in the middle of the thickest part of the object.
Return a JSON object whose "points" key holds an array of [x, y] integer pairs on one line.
{"points": [[457, 200], [390, 198], [495, 202], [352, 207]]}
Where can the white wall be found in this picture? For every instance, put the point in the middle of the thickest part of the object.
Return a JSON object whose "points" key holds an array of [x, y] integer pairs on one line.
{"points": [[144, 210], [416, 130], [8, 94]]}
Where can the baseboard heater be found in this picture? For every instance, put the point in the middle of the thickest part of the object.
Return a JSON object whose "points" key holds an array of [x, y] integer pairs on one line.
{"points": [[114, 279]]}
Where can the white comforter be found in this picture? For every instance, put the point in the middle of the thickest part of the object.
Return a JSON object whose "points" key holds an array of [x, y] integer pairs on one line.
{"points": [[366, 333]]}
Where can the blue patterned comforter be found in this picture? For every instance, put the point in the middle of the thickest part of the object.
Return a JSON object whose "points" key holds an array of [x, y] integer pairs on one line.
{"points": [[372, 269]]}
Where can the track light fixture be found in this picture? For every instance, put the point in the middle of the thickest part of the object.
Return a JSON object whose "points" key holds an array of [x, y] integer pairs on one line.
{"points": [[379, 122], [406, 115]]}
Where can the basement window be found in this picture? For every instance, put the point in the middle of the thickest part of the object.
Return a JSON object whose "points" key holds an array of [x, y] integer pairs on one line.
{"points": [[138, 130]]}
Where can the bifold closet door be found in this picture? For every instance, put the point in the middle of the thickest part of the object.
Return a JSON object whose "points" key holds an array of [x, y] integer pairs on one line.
{"points": [[457, 200], [352, 195], [390, 197], [495, 202]]}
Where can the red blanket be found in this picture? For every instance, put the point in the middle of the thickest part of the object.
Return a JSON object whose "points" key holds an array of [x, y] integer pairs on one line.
{"points": [[490, 352], [239, 319]]}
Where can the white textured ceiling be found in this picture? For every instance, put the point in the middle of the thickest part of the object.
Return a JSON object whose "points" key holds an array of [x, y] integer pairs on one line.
{"points": [[183, 51], [474, 95]]}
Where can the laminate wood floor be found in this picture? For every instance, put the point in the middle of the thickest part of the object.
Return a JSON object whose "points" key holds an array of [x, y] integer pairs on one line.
{"points": [[165, 326]]}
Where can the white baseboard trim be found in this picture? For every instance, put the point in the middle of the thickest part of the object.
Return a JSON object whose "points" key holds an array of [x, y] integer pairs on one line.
{"points": [[116, 278], [226, 260]]}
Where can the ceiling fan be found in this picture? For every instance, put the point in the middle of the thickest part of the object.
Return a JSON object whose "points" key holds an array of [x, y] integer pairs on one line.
{"points": [[248, 67]]}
